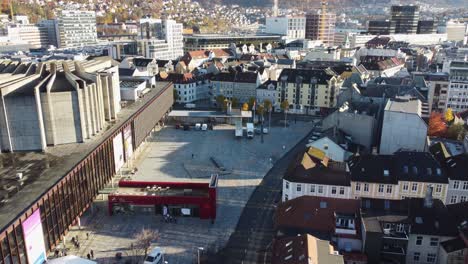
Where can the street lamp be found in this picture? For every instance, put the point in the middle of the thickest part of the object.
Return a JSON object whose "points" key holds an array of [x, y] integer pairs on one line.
{"points": [[198, 253]]}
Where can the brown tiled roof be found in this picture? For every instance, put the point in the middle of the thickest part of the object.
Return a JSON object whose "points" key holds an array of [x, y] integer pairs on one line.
{"points": [[317, 214]]}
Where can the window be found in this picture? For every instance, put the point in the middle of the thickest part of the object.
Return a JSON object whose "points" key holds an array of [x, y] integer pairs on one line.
{"points": [[419, 240], [416, 256], [320, 189], [438, 188], [358, 187], [453, 199], [381, 186], [312, 188], [465, 185], [431, 257], [333, 191], [456, 184], [434, 241], [287, 185], [366, 187], [405, 186], [341, 190], [414, 187], [462, 199], [286, 197], [299, 188], [389, 189]]}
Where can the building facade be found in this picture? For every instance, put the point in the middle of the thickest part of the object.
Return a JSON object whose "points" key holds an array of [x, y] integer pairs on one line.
{"points": [[291, 27], [161, 39], [76, 28], [403, 126], [405, 19], [321, 26], [308, 90], [457, 90]]}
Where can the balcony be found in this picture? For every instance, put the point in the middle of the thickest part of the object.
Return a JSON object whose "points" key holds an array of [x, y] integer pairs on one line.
{"points": [[392, 234], [393, 250], [345, 231]]}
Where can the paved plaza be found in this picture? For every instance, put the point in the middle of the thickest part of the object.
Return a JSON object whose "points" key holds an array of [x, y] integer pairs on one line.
{"points": [[167, 156]]}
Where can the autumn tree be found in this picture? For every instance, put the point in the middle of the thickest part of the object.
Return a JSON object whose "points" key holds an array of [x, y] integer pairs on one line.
{"points": [[456, 132], [449, 115], [437, 126], [235, 102], [245, 107], [220, 100], [285, 107], [251, 102]]}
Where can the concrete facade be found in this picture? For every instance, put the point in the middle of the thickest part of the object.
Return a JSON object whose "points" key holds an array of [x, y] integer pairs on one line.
{"points": [[426, 250], [61, 102], [293, 190], [403, 127]]}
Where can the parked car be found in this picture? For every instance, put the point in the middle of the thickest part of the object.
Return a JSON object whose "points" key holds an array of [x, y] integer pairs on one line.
{"points": [[258, 131], [265, 130], [155, 256], [186, 127], [204, 127], [197, 126]]}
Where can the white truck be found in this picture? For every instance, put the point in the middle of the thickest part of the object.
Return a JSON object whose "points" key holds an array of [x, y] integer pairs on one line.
{"points": [[250, 130], [239, 129]]}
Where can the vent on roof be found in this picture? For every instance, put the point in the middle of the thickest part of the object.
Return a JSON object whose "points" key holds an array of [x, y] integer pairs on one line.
{"points": [[418, 220], [323, 204], [362, 169], [289, 243], [386, 173], [453, 164], [438, 171], [301, 257], [289, 208], [288, 257], [415, 170]]}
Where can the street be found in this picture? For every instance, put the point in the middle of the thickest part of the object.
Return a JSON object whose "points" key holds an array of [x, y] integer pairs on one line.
{"points": [[251, 241]]}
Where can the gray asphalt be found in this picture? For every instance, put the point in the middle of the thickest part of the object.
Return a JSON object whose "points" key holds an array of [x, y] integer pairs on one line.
{"points": [[251, 241]]}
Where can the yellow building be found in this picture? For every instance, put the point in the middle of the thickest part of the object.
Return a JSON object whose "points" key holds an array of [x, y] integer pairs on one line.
{"points": [[308, 90]]}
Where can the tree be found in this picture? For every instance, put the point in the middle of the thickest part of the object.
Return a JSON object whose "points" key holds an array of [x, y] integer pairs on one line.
{"points": [[251, 102], [235, 102], [449, 115], [456, 132], [245, 107], [285, 107], [225, 104], [144, 239], [260, 110], [220, 100], [437, 126], [269, 107]]}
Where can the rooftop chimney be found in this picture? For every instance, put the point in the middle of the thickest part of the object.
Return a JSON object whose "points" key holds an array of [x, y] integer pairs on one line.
{"points": [[428, 199]]}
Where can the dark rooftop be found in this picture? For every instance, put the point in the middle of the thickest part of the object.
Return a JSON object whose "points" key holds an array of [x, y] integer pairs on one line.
{"points": [[373, 168], [306, 76]]}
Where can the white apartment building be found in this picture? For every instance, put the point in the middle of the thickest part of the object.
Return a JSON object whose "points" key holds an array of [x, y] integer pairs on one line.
{"points": [[457, 95], [35, 35], [76, 28], [161, 39], [291, 27]]}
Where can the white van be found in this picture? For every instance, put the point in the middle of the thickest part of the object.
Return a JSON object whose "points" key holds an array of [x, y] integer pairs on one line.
{"points": [[155, 256]]}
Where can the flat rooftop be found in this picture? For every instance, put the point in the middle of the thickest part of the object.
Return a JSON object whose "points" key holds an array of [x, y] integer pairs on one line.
{"points": [[411, 106], [158, 191], [42, 170]]}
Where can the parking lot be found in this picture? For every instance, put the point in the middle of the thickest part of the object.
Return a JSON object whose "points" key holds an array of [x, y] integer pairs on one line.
{"points": [[178, 155]]}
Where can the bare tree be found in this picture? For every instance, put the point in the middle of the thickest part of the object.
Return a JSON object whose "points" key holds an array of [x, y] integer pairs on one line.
{"points": [[142, 244]]}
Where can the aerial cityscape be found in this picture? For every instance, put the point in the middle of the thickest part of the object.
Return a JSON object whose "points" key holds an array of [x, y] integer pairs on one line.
{"points": [[233, 131]]}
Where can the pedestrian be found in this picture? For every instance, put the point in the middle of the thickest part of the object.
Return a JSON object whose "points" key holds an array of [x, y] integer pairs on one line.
{"points": [[87, 235], [92, 253], [192, 155], [88, 256], [56, 253], [76, 238]]}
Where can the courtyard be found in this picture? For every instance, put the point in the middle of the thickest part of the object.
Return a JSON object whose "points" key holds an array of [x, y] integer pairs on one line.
{"points": [[176, 155]]}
